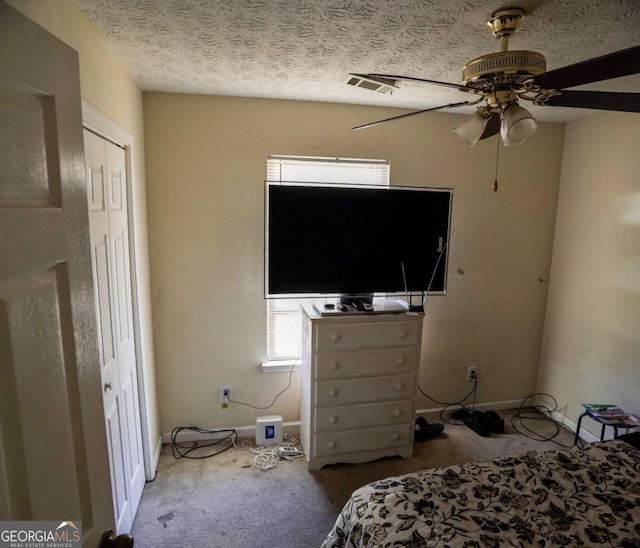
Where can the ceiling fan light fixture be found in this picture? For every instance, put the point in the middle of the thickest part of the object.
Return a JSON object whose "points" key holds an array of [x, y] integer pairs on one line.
{"points": [[470, 130], [518, 125], [504, 77]]}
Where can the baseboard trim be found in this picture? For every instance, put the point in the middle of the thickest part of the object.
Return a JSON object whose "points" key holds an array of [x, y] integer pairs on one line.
{"points": [[585, 435], [156, 459], [291, 428], [495, 406]]}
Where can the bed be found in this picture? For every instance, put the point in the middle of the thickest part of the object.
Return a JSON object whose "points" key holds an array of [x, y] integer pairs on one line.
{"points": [[587, 495]]}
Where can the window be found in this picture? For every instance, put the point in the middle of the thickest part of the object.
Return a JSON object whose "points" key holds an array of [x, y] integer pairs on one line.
{"points": [[284, 317]]}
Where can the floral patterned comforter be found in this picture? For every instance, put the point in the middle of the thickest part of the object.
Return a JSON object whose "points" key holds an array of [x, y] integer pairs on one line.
{"points": [[583, 496]]}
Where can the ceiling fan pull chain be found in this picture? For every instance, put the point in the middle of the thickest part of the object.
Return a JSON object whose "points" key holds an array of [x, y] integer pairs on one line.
{"points": [[495, 182]]}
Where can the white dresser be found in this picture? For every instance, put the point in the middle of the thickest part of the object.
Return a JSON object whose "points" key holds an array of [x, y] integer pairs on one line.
{"points": [[359, 378]]}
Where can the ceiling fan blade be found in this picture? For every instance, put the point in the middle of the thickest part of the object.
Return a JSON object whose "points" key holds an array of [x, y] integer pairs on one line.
{"points": [[423, 81], [613, 65], [600, 100], [450, 105], [492, 128]]}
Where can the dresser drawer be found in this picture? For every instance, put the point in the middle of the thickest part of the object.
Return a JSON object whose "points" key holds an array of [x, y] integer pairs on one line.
{"points": [[342, 336], [366, 363], [344, 392], [331, 419], [367, 439]]}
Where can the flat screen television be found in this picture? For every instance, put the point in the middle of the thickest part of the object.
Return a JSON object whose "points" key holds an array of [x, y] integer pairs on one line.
{"points": [[332, 240]]}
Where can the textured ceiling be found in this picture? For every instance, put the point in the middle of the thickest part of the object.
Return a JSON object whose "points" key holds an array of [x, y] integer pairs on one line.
{"points": [[302, 49]]}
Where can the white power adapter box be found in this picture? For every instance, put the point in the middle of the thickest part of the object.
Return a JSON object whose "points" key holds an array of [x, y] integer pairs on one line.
{"points": [[269, 430]]}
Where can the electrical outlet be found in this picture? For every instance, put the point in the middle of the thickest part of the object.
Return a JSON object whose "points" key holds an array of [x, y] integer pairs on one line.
{"points": [[472, 374], [225, 394]]}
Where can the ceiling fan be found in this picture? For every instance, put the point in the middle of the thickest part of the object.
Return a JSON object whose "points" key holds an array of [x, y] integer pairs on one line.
{"points": [[502, 79]]}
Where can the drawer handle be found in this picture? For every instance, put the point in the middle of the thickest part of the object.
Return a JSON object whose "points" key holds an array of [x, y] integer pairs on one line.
{"points": [[333, 420], [396, 437], [398, 412], [401, 361], [335, 337], [404, 334], [333, 393], [399, 386], [335, 366], [332, 445]]}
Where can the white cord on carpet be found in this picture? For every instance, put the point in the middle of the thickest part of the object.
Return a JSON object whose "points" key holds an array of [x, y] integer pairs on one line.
{"points": [[266, 457]]}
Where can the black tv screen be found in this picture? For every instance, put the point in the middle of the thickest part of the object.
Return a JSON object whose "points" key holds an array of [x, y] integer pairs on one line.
{"points": [[347, 239]]}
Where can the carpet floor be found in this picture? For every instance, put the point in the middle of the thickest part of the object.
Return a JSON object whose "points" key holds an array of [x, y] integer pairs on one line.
{"points": [[225, 502]]}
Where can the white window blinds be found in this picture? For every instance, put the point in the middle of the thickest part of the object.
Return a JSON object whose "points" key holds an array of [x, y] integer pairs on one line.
{"points": [[284, 317], [327, 170]]}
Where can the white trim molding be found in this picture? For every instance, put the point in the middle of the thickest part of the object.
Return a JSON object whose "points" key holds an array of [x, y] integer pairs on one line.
{"points": [[97, 122], [280, 366]]}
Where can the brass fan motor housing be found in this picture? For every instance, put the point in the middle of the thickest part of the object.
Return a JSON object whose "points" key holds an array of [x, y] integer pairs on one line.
{"points": [[503, 64], [505, 23]]}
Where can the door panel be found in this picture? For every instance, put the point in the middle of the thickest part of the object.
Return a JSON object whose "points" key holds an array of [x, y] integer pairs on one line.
{"points": [[96, 189], [129, 395], [105, 321], [115, 440], [122, 290], [31, 172], [42, 369]]}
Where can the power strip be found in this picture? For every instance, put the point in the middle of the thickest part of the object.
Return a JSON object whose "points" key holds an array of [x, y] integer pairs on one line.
{"points": [[288, 452]]}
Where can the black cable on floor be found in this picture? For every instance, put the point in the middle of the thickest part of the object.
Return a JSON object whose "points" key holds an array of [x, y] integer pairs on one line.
{"points": [[183, 450], [153, 478], [472, 392], [537, 413]]}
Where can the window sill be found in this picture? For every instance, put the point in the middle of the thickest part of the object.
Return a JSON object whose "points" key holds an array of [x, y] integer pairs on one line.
{"points": [[280, 366]]}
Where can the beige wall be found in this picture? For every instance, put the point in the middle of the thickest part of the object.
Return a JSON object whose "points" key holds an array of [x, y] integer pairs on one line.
{"points": [[107, 86], [591, 350], [206, 163]]}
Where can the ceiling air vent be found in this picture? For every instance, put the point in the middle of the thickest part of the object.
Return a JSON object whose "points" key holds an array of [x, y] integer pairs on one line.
{"points": [[372, 83]]}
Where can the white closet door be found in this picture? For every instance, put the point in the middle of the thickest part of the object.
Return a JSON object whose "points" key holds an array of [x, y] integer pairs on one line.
{"points": [[107, 199]]}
